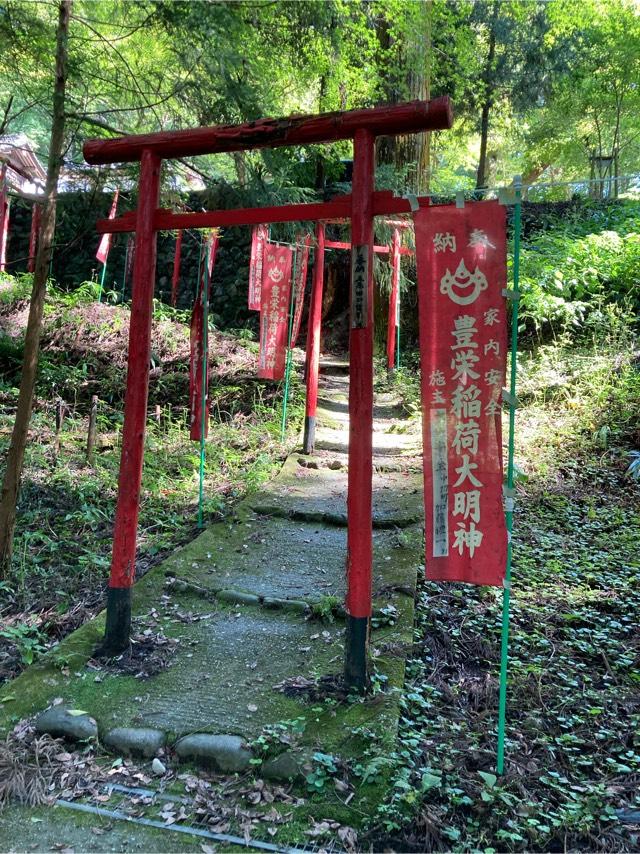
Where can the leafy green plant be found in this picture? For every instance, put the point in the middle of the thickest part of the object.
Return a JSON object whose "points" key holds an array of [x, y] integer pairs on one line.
{"points": [[27, 638], [634, 465], [325, 608], [572, 270], [275, 737], [324, 767]]}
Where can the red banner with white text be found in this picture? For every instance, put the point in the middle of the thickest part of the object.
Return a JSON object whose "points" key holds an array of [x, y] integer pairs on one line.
{"points": [[105, 241], [461, 264], [259, 237], [274, 310], [302, 257]]}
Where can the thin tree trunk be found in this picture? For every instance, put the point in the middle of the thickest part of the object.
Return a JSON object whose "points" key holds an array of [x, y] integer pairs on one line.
{"points": [[240, 162], [481, 180], [484, 133], [91, 433], [15, 458]]}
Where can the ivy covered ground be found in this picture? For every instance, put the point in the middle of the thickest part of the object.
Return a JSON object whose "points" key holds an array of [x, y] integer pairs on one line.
{"points": [[573, 739]]}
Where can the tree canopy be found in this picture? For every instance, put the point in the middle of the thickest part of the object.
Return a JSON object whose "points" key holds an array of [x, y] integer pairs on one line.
{"points": [[540, 88]]}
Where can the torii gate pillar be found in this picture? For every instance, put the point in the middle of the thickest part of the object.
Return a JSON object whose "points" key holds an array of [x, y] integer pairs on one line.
{"points": [[359, 496], [313, 343], [123, 561]]}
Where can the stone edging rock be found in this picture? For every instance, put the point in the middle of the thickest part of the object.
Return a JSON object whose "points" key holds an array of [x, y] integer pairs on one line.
{"points": [[239, 597], [229, 754]]}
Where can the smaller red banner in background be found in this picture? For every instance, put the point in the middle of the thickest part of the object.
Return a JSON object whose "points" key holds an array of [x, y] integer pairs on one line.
{"points": [[5, 206], [302, 254], [259, 237], [105, 242], [274, 310], [461, 263]]}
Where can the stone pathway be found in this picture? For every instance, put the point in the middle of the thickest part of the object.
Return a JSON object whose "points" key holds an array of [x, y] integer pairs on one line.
{"points": [[237, 611]]}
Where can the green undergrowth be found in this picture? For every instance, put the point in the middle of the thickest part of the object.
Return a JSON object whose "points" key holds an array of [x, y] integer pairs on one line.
{"points": [[578, 265], [573, 749]]}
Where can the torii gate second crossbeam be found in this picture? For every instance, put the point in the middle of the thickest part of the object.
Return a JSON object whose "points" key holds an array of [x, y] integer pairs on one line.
{"points": [[362, 126]]}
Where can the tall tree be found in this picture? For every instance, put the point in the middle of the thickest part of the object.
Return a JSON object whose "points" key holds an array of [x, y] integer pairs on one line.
{"points": [[514, 63], [15, 458], [405, 62], [588, 121]]}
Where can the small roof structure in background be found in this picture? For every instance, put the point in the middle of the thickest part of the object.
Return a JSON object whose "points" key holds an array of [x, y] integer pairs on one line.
{"points": [[26, 176]]}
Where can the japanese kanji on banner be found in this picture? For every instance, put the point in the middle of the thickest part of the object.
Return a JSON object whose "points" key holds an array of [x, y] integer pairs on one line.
{"points": [[461, 264], [259, 238], [105, 241], [300, 283], [274, 310]]}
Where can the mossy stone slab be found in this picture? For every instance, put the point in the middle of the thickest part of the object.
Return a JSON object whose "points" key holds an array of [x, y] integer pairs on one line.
{"points": [[302, 493]]}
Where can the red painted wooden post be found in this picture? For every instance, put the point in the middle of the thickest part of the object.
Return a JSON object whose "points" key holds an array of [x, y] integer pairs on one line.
{"points": [[359, 498], [5, 204], [384, 202], [176, 269], [118, 624], [313, 343], [196, 361], [341, 244], [392, 322], [36, 211]]}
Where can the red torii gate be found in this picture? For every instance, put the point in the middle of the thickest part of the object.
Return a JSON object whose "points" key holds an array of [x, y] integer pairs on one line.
{"points": [[363, 126], [315, 312]]}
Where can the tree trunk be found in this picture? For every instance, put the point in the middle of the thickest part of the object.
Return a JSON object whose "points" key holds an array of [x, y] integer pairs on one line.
{"points": [[11, 483], [481, 180], [239, 160], [488, 100], [412, 150]]}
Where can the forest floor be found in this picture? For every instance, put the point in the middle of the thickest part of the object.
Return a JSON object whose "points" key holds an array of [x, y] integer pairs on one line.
{"points": [[572, 771], [573, 745]]}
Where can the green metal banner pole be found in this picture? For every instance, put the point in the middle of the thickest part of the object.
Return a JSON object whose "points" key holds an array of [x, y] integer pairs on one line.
{"points": [[104, 273], [205, 358], [509, 498], [289, 364]]}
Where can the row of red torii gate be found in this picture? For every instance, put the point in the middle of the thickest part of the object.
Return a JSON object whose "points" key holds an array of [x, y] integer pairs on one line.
{"points": [[277, 285], [463, 341]]}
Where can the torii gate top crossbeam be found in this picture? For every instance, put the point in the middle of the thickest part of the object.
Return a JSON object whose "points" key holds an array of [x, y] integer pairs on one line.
{"points": [[410, 117]]}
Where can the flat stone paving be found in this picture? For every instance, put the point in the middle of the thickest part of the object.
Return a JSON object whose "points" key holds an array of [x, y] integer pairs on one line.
{"points": [[289, 543]]}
